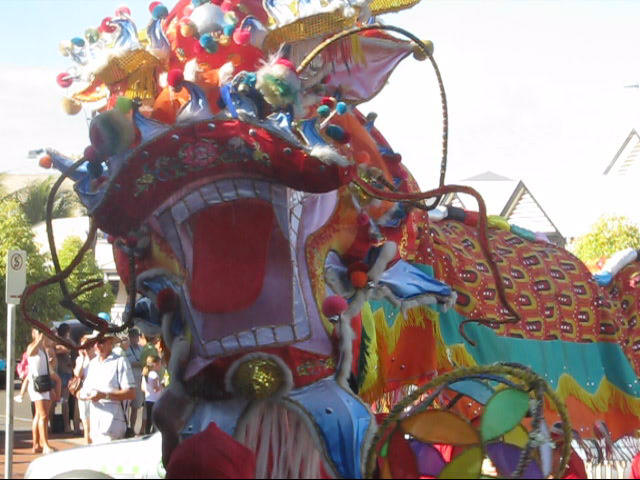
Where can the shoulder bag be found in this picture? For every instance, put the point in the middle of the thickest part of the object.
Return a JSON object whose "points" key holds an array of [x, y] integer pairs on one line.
{"points": [[43, 383]]}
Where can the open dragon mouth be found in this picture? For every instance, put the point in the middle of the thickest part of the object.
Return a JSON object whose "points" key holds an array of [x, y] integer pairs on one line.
{"points": [[236, 238]]}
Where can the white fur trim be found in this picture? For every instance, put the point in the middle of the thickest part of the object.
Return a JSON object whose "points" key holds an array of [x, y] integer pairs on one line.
{"points": [[225, 73], [288, 376], [191, 70], [207, 18], [329, 156]]}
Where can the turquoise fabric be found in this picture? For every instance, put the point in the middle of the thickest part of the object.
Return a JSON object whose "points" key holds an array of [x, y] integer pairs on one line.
{"points": [[587, 363]]}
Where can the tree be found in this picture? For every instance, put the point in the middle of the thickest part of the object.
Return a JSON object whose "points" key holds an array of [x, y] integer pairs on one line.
{"points": [[34, 198], [15, 233], [98, 300], [608, 235]]}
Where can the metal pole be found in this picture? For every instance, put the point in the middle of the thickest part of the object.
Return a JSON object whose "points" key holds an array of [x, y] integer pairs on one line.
{"points": [[11, 363]]}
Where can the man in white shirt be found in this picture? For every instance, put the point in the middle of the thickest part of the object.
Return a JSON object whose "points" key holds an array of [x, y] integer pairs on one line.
{"points": [[109, 384]]}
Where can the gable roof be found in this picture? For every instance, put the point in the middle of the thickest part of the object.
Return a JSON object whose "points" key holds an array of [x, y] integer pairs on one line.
{"points": [[628, 156], [505, 197]]}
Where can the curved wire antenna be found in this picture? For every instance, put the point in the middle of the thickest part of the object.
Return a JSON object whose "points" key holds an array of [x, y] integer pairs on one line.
{"points": [[427, 52], [68, 298]]}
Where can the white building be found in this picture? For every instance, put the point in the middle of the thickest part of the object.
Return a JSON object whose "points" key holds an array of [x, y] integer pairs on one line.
{"points": [[508, 198]]}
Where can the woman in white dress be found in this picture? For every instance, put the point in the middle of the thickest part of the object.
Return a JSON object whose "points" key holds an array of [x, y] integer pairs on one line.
{"points": [[38, 365], [80, 370]]}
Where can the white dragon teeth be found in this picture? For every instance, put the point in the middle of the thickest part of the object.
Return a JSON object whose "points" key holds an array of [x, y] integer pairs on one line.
{"points": [[287, 206]]}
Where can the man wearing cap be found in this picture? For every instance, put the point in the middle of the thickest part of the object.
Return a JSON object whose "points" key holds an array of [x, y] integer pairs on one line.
{"points": [[109, 384]]}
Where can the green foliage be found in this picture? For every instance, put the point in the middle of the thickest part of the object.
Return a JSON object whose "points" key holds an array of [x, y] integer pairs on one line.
{"points": [[34, 196], [16, 233], [607, 236], [97, 300]]}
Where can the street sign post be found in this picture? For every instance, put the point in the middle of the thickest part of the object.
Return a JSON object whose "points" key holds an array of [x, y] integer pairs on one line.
{"points": [[16, 282]]}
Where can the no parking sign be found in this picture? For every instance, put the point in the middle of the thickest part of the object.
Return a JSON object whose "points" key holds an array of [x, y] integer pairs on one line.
{"points": [[16, 275]]}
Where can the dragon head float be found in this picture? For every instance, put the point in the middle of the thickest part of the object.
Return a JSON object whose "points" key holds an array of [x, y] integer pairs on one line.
{"points": [[275, 240]]}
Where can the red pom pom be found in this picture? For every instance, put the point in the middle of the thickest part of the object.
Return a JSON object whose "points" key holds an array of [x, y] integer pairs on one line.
{"points": [[153, 5], [167, 300], [287, 63], [64, 80], [328, 101], [217, 2], [106, 26], [359, 279], [227, 6], [241, 37], [122, 11], [175, 78], [334, 306], [363, 219], [357, 267], [45, 161], [90, 154]]}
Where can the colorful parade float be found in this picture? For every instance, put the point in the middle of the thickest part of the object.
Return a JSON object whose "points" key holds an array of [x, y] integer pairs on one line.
{"points": [[322, 316]]}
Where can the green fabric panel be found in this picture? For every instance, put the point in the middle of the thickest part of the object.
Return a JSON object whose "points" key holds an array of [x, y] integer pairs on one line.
{"points": [[587, 363]]}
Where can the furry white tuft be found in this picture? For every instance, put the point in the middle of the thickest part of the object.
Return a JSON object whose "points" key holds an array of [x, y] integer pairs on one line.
{"points": [[329, 156]]}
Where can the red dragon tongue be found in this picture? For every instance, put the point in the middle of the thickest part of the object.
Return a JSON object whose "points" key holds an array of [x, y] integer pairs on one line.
{"points": [[230, 243]]}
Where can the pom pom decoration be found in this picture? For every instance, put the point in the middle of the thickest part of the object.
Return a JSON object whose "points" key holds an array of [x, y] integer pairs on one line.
{"points": [[209, 43], [152, 6], [323, 111], [207, 18], [90, 154], [160, 12], [64, 80], [175, 78], [123, 11], [111, 133], [358, 279], [78, 41], [230, 18], [228, 30], [341, 108], [71, 106], [334, 305], [337, 133], [241, 36], [45, 161], [167, 300], [188, 28], [197, 3], [278, 82], [106, 26], [92, 35], [227, 6]]}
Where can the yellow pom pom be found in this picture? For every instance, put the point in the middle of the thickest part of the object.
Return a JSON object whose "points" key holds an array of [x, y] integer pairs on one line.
{"points": [[71, 106]]}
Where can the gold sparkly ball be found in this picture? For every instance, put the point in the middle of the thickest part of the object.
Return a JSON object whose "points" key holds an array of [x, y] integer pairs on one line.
{"points": [[258, 378]]}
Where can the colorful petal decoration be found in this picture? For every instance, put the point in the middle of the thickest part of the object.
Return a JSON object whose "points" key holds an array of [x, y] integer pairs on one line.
{"points": [[503, 412], [479, 391], [430, 461], [438, 426], [466, 465], [505, 458], [519, 436]]}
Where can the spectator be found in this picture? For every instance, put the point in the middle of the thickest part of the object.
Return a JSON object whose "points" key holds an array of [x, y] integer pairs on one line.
{"points": [[41, 394], [152, 386], [82, 366], [65, 372], [133, 353], [108, 384]]}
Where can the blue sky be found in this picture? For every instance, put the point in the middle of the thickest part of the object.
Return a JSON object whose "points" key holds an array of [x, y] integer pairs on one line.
{"points": [[535, 89]]}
